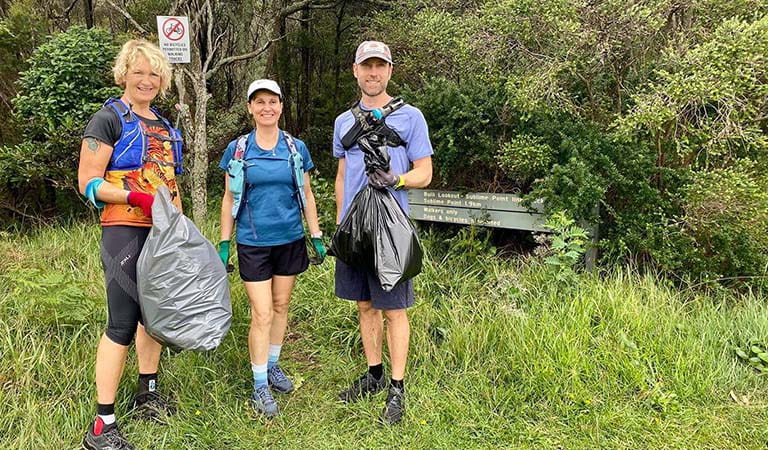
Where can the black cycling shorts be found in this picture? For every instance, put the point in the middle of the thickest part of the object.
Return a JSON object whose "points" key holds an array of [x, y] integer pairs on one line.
{"points": [[120, 248], [261, 263]]}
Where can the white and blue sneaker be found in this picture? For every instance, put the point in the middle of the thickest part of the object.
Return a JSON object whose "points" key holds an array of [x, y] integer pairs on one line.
{"points": [[278, 381], [263, 403]]}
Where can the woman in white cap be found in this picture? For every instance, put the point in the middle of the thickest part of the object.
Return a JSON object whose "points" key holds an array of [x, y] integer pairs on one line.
{"points": [[268, 171]]}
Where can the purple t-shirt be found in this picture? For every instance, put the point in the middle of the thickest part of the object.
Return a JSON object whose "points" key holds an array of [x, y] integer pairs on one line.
{"points": [[409, 123]]}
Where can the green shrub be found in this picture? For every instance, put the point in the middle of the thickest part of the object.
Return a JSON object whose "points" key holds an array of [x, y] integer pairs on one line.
{"points": [[525, 157], [464, 129], [725, 212], [67, 81], [754, 353]]}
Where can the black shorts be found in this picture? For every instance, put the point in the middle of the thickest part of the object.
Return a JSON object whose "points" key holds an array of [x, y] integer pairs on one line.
{"points": [[360, 285], [120, 248], [260, 263]]}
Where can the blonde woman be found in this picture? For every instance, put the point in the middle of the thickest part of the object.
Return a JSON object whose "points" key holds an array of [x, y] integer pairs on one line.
{"points": [[128, 151], [271, 249]]}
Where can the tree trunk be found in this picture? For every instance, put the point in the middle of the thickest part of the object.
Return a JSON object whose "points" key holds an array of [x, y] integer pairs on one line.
{"points": [[88, 7], [336, 51], [303, 102], [195, 142], [284, 77], [187, 130], [199, 171]]}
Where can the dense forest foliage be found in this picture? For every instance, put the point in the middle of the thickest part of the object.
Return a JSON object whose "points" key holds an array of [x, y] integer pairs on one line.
{"points": [[646, 118]]}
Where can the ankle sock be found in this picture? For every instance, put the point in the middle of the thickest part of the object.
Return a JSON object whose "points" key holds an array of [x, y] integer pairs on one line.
{"points": [[274, 355], [400, 384], [259, 375], [105, 416], [376, 371], [147, 382]]}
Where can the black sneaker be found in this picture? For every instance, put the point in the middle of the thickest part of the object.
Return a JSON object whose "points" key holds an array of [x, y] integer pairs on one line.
{"points": [[362, 387], [109, 438], [152, 406], [395, 407]]}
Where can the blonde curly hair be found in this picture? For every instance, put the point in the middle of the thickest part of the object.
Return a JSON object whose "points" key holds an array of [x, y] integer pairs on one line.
{"points": [[156, 58]]}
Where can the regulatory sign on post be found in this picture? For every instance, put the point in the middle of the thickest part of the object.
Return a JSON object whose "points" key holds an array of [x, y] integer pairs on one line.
{"points": [[174, 38]]}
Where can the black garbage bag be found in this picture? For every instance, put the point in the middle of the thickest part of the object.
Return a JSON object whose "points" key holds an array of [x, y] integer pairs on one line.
{"points": [[182, 284], [376, 234], [375, 154]]}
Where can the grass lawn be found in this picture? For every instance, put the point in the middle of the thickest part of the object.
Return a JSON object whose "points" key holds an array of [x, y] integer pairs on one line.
{"points": [[501, 356]]}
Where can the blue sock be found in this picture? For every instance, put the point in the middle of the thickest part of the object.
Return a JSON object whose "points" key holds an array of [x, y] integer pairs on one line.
{"points": [[274, 355], [259, 375]]}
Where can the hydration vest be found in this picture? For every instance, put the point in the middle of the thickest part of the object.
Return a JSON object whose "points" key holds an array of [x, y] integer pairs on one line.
{"points": [[130, 151], [238, 165]]}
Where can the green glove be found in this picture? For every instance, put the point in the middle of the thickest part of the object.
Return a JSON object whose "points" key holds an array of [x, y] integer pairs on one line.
{"points": [[224, 252], [319, 247]]}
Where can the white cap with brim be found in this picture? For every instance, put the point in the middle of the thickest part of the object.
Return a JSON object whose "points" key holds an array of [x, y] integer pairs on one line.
{"points": [[372, 49], [267, 85]]}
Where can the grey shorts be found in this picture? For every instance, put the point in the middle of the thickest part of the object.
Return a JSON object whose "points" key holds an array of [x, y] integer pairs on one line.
{"points": [[358, 285]]}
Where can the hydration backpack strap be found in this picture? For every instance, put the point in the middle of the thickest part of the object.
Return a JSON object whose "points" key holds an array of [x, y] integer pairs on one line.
{"points": [[373, 121], [242, 141], [236, 172], [297, 166], [174, 136], [130, 131]]}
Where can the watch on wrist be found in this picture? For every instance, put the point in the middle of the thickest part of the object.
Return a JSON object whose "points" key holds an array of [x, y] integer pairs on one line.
{"points": [[318, 235], [400, 182]]}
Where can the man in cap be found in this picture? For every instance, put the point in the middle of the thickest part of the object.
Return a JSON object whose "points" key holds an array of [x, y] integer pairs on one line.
{"points": [[410, 167]]}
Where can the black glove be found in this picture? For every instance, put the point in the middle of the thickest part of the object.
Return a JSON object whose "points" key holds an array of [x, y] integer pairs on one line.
{"points": [[381, 180]]}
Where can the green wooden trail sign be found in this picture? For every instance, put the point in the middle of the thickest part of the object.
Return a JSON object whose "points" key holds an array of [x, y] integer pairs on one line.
{"points": [[485, 209], [479, 208]]}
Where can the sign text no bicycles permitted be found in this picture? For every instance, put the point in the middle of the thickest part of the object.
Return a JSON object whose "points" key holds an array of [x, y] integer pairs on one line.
{"points": [[173, 34]]}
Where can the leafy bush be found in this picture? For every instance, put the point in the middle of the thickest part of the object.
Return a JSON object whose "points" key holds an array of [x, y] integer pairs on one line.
{"points": [[725, 212], [709, 105], [464, 129], [67, 81], [525, 157], [754, 353], [616, 112], [470, 244]]}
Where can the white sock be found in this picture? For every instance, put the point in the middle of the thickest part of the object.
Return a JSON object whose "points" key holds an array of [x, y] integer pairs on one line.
{"points": [[274, 355], [108, 419], [259, 375]]}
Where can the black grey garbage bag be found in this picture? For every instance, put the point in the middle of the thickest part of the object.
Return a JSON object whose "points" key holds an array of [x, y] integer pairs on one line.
{"points": [[376, 234], [183, 288]]}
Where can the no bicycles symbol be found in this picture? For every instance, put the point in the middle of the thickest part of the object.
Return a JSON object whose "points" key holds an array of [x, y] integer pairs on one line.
{"points": [[173, 29], [173, 34]]}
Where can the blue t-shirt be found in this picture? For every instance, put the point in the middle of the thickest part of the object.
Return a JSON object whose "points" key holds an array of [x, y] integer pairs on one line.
{"points": [[270, 215], [410, 125]]}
